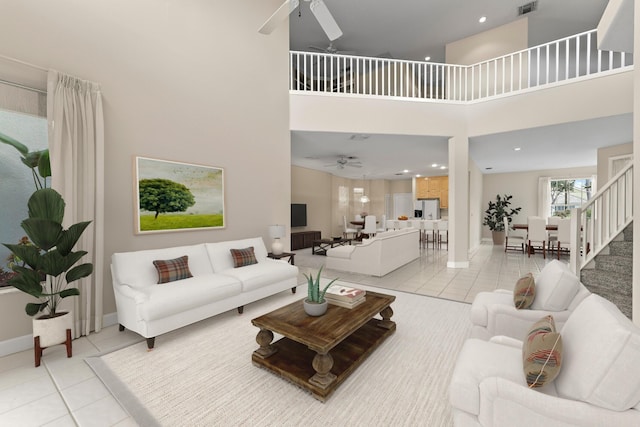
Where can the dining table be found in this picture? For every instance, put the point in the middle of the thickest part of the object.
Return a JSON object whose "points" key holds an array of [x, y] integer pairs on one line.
{"points": [[550, 227]]}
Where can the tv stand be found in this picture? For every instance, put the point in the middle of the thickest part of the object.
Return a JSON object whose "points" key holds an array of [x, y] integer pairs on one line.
{"points": [[303, 239]]}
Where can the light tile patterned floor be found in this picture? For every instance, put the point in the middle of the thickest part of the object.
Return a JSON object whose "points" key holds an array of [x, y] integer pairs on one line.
{"points": [[65, 392]]}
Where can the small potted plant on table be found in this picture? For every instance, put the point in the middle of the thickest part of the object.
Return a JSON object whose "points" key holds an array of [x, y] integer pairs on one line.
{"points": [[315, 304]]}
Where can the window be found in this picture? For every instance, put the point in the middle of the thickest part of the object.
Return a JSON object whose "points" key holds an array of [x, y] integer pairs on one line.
{"points": [[21, 117], [567, 194]]}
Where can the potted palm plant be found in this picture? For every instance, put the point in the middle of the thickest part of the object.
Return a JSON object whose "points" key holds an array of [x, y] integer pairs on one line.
{"points": [[495, 214], [48, 264], [315, 304]]}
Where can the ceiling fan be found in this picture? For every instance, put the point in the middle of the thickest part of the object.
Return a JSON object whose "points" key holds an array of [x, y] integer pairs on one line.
{"points": [[319, 10], [332, 50], [343, 161]]}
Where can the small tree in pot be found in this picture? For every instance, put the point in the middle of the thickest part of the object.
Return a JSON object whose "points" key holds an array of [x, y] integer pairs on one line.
{"points": [[495, 214]]}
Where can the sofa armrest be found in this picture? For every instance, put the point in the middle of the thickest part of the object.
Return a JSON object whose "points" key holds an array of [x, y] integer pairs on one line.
{"points": [[508, 320], [503, 401], [130, 292]]}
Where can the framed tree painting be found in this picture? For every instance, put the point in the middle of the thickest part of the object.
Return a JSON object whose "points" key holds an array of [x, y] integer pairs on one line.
{"points": [[175, 196]]}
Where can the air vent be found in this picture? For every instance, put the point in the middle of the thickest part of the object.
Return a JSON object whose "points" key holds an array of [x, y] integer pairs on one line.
{"points": [[527, 8]]}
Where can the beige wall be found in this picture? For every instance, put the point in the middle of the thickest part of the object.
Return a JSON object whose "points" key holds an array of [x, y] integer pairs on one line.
{"points": [[313, 188], [489, 44], [173, 88], [523, 186], [604, 154]]}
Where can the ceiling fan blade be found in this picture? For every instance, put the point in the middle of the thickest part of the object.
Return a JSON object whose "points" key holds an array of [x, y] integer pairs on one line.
{"points": [[354, 165], [325, 19], [278, 16]]}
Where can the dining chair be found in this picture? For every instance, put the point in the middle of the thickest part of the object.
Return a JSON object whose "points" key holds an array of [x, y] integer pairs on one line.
{"points": [[383, 224], [512, 240], [346, 229], [370, 228], [537, 234], [391, 224], [564, 235], [442, 230], [553, 234]]}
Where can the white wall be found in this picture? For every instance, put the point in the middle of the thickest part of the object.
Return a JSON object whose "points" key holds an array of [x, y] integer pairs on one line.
{"points": [[174, 87]]}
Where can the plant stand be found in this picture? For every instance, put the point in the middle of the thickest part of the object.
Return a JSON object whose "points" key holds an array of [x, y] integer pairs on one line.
{"points": [[51, 331]]}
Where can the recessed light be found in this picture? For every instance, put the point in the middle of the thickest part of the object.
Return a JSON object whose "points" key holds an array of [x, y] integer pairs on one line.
{"points": [[406, 171], [435, 165], [418, 176], [427, 58], [443, 167], [482, 19], [517, 149]]}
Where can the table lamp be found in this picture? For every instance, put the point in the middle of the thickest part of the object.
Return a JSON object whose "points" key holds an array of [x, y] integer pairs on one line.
{"points": [[276, 232]]}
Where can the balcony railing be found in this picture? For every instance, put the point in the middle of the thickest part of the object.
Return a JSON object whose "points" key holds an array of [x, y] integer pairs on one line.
{"points": [[551, 63], [596, 223]]}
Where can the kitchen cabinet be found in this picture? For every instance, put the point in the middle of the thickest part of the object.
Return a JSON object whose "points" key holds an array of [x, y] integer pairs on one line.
{"points": [[434, 187]]}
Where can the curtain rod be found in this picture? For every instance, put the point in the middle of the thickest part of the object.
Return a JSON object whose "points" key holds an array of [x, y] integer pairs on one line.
{"points": [[33, 89]]}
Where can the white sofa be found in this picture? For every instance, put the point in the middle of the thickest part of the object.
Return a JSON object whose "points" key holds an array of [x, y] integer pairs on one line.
{"points": [[557, 292], [152, 309], [377, 256], [598, 383]]}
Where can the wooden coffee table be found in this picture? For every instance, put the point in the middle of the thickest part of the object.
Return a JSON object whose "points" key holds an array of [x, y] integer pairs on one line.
{"points": [[319, 353]]}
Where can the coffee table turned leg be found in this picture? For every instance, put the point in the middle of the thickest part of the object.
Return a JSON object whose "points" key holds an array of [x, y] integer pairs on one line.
{"points": [[264, 339], [322, 363], [386, 322]]}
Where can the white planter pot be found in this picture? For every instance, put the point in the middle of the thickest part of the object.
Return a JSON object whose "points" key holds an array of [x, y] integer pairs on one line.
{"points": [[314, 308], [53, 331]]}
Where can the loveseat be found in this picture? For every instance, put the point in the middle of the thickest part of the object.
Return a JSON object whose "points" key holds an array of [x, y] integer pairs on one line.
{"points": [[150, 308], [378, 255]]}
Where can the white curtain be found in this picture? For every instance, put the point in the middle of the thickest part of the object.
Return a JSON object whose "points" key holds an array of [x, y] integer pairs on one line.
{"points": [[76, 145], [544, 196]]}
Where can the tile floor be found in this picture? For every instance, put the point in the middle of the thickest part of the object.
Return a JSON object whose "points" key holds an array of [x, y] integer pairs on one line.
{"points": [[65, 392]]}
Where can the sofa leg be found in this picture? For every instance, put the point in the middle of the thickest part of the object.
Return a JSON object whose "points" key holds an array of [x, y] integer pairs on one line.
{"points": [[151, 342], [240, 309], [120, 327], [293, 290]]}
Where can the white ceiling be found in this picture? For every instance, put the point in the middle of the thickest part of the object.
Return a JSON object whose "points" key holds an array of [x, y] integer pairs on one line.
{"points": [[412, 29]]}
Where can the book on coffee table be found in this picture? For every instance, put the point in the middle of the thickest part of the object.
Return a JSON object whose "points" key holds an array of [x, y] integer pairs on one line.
{"points": [[344, 293], [346, 304]]}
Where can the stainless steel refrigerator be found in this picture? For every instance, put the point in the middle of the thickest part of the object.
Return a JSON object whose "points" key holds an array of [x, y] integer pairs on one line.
{"points": [[427, 209]]}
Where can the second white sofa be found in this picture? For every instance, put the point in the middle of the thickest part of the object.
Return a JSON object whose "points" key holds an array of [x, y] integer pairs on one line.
{"points": [[377, 256]]}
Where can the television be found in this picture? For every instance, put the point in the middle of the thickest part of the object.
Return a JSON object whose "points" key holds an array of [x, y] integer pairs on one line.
{"points": [[298, 215]]}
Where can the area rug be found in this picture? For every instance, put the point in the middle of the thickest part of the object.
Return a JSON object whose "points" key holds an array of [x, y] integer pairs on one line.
{"points": [[202, 375]]}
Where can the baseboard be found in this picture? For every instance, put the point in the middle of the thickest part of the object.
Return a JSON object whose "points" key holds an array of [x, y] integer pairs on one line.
{"points": [[25, 342]]}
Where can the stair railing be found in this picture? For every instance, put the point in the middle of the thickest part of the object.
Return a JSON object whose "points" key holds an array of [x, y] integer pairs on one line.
{"points": [[596, 223]]}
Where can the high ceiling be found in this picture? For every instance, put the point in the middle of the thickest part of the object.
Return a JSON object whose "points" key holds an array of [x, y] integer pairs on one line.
{"points": [[413, 29]]}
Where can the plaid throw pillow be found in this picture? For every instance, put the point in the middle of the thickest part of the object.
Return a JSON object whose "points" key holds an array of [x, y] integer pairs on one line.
{"points": [[542, 353], [524, 292], [243, 257], [172, 269]]}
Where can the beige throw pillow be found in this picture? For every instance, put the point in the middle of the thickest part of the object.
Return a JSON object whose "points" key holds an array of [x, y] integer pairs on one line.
{"points": [[542, 353], [524, 292]]}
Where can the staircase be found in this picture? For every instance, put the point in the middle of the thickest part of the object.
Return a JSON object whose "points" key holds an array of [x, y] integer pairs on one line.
{"points": [[610, 274]]}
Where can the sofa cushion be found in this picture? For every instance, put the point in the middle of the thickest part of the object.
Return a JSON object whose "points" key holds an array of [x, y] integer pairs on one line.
{"points": [[220, 252], [601, 356], [243, 257], [556, 286], [542, 353], [170, 270], [136, 268], [262, 274], [179, 297], [524, 292]]}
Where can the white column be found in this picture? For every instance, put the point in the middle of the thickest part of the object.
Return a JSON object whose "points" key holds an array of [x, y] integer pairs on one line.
{"points": [[636, 162], [458, 202]]}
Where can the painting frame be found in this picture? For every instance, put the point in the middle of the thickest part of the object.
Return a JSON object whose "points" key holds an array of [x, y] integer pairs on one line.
{"points": [[171, 196]]}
